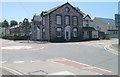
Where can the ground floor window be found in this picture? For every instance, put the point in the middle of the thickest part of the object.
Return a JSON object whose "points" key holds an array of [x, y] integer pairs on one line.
{"points": [[75, 32], [59, 32]]}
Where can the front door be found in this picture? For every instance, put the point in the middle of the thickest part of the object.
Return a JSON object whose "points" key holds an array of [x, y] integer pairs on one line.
{"points": [[67, 35]]}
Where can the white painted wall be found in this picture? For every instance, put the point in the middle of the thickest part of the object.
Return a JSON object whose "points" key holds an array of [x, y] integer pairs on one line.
{"points": [[94, 34], [85, 36]]}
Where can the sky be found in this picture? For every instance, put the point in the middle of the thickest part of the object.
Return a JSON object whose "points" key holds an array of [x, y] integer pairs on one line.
{"points": [[20, 10]]}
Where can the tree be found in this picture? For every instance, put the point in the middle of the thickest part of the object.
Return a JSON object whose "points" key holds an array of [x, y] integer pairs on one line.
{"points": [[5, 24], [13, 22], [26, 26]]}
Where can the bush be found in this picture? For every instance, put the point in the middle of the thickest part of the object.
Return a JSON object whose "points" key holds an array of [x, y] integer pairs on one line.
{"points": [[10, 36], [107, 37]]}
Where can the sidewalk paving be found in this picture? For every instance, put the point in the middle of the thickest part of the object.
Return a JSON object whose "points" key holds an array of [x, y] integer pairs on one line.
{"points": [[30, 41], [48, 68]]}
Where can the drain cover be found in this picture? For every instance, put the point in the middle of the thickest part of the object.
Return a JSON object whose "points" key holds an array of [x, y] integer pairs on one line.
{"points": [[38, 73]]}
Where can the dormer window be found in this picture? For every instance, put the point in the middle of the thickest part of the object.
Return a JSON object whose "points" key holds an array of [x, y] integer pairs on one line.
{"points": [[67, 9]]}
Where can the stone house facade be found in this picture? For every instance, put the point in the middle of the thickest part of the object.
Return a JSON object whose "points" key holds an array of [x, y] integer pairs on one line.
{"points": [[62, 23]]}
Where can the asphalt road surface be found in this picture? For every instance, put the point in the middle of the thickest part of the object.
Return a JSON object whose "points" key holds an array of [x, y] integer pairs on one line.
{"points": [[87, 53]]}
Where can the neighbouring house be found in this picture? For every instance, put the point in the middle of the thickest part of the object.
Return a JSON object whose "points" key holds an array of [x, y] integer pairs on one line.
{"points": [[62, 23], [36, 25], [106, 26], [15, 29], [4, 31], [89, 32]]}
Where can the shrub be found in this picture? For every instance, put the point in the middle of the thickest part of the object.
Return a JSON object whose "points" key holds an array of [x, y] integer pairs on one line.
{"points": [[107, 37], [10, 36]]}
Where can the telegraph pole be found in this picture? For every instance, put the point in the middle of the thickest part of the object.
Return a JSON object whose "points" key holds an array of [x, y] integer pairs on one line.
{"points": [[119, 22]]}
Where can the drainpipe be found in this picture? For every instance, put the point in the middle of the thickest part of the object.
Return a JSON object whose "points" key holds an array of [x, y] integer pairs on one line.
{"points": [[48, 28]]}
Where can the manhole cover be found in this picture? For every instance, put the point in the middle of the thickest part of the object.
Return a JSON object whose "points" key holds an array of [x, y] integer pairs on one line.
{"points": [[38, 73]]}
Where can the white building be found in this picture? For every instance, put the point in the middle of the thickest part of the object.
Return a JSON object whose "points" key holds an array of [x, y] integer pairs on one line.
{"points": [[89, 31]]}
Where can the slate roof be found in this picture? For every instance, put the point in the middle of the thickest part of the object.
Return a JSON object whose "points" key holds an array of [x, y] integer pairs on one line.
{"points": [[89, 29], [106, 20], [55, 8]]}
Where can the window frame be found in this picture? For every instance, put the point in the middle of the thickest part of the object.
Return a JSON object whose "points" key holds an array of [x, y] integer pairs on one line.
{"points": [[67, 9], [59, 31], [73, 31], [56, 19], [65, 19], [73, 20]]}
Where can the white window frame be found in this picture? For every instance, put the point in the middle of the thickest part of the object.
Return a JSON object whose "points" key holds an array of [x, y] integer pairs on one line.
{"points": [[67, 20], [58, 19]]}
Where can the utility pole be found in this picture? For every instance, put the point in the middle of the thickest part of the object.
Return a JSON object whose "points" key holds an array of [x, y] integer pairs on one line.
{"points": [[119, 22]]}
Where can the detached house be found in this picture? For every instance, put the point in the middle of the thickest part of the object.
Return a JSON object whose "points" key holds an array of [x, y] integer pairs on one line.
{"points": [[62, 23]]}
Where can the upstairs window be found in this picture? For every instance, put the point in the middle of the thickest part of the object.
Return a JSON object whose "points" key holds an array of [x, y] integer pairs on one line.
{"points": [[59, 19], [67, 20], [75, 20]]}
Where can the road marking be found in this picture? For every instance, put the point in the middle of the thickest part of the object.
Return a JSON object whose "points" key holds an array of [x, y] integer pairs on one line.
{"points": [[101, 43], [110, 50], [3, 61], [16, 47], [18, 62], [32, 61], [82, 66], [43, 47]]}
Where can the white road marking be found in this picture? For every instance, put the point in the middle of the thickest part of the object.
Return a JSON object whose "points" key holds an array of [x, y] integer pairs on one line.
{"points": [[16, 47], [101, 43], [32, 61], [3, 61], [18, 62], [110, 50], [43, 47], [62, 73]]}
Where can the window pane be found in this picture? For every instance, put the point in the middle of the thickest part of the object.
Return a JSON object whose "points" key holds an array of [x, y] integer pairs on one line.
{"points": [[58, 19], [67, 20], [75, 21]]}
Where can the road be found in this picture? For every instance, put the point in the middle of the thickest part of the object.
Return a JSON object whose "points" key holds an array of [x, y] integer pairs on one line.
{"points": [[90, 53]]}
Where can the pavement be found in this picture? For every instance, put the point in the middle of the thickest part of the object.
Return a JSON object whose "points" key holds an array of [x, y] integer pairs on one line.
{"points": [[48, 68], [115, 47]]}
